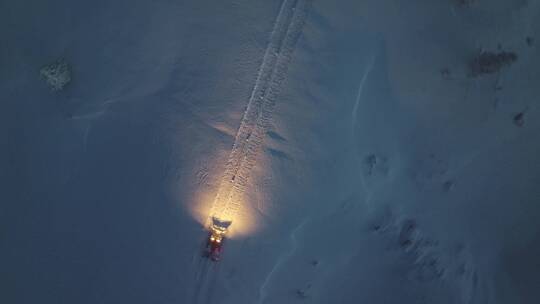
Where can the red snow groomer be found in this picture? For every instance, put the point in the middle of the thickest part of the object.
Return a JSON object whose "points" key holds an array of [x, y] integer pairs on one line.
{"points": [[214, 245]]}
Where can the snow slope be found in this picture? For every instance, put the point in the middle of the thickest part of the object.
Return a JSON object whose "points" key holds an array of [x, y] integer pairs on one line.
{"points": [[387, 173]]}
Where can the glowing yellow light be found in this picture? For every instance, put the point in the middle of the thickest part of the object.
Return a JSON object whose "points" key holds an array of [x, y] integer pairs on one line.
{"points": [[205, 204]]}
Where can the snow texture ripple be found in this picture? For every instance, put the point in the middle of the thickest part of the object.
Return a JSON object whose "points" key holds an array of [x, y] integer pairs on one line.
{"points": [[256, 118]]}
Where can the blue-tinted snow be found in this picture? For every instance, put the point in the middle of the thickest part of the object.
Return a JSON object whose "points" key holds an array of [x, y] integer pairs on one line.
{"points": [[389, 175]]}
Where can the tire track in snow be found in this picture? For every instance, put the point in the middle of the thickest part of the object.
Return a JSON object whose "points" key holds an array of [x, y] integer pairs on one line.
{"points": [[206, 274], [256, 118], [255, 121], [205, 280]]}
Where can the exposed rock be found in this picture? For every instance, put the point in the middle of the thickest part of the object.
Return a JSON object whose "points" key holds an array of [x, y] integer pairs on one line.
{"points": [[303, 292], [406, 234], [530, 41], [464, 3], [490, 62], [448, 185], [423, 251], [445, 73], [57, 74], [519, 119], [375, 165]]}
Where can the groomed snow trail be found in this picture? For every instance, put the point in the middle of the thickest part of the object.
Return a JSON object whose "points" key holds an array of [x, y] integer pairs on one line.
{"points": [[253, 126], [250, 135]]}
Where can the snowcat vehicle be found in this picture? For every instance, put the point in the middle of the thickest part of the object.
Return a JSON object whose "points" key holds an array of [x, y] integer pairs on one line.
{"points": [[216, 237]]}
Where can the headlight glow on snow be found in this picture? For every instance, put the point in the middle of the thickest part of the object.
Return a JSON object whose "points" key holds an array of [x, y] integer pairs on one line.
{"points": [[243, 220]]}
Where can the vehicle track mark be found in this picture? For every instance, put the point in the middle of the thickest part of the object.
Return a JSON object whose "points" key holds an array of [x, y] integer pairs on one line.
{"points": [[205, 280], [255, 122], [253, 127]]}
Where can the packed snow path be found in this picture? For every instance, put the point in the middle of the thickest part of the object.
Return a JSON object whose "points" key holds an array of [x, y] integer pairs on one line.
{"points": [[250, 135], [253, 126]]}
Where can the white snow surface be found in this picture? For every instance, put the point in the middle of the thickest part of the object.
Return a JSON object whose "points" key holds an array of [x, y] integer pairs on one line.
{"points": [[386, 174]]}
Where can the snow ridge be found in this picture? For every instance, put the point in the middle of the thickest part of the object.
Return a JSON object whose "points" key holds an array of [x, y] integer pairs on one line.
{"points": [[263, 289], [361, 88]]}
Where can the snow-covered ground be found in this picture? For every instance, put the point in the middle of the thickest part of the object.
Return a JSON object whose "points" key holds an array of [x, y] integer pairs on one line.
{"points": [[391, 170]]}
